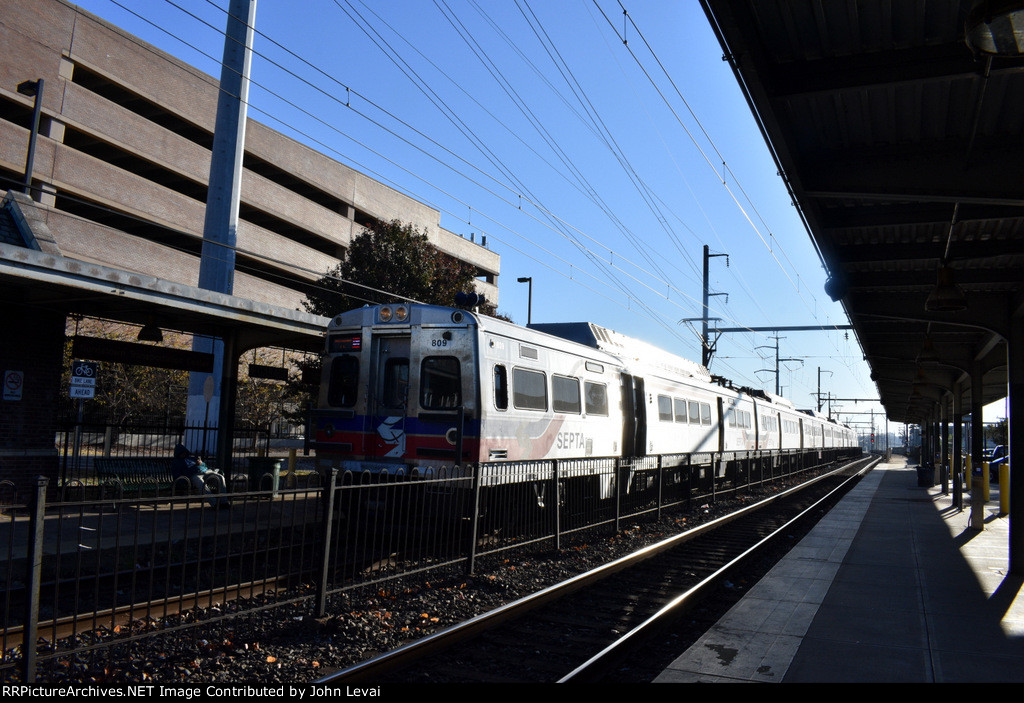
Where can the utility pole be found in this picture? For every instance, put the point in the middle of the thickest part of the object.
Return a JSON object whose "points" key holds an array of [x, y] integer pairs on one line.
{"points": [[778, 390], [819, 386], [706, 347]]}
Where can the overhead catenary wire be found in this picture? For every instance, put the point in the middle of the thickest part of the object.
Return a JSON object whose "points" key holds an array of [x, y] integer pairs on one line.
{"points": [[591, 255], [725, 168], [583, 248], [721, 159], [478, 53], [611, 252], [621, 262]]}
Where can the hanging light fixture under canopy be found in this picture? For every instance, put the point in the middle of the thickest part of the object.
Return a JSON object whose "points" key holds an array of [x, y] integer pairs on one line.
{"points": [[928, 354], [947, 296], [151, 333], [996, 27], [836, 286]]}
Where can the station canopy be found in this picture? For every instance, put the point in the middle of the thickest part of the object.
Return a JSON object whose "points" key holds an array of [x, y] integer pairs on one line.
{"points": [[902, 145], [36, 274]]}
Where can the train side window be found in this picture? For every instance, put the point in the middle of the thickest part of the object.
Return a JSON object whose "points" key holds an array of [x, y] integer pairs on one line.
{"points": [[694, 412], [664, 408], [529, 390], [596, 398], [344, 384], [440, 383], [705, 413], [680, 407], [500, 387], [565, 395], [395, 388]]}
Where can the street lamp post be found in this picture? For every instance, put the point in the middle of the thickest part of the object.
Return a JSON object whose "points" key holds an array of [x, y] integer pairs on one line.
{"points": [[529, 299], [32, 88]]}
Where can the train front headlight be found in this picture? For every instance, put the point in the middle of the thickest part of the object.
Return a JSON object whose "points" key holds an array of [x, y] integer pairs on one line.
{"points": [[385, 314], [401, 313]]}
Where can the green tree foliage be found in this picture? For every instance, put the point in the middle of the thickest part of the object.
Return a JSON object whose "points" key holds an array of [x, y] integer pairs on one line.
{"points": [[387, 262], [390, 262]]}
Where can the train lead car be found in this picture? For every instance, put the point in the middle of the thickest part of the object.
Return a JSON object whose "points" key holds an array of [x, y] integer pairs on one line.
{"points": [[408, 388]]}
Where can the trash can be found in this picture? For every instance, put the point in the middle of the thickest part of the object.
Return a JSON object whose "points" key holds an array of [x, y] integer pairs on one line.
{"points": [[265, 474], [925, 476]]}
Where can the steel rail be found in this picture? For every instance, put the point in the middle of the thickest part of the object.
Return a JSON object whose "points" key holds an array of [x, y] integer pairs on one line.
{"points": [[51, 631], [680, 602], [371, 669]]}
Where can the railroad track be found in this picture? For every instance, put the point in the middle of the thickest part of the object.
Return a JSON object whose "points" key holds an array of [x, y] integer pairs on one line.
{"points": [[600, 624]]}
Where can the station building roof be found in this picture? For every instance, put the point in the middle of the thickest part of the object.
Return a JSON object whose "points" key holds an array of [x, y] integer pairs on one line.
{"points": [[903, 149]]}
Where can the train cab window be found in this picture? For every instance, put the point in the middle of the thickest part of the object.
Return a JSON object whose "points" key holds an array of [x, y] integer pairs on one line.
{"points": [[395, 388], [664, 408], [529, 390], [705, 413], [440, 383], [694, 412], [500, 387], [565, 395], [680, 407], [596, 398], [344, 384]]}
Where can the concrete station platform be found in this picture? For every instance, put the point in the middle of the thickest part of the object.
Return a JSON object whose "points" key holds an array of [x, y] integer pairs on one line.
{"points": [[892, 586]]}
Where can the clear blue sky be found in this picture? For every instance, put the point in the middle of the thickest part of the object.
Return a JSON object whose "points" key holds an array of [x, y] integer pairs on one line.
{"points": [[592, 164]]}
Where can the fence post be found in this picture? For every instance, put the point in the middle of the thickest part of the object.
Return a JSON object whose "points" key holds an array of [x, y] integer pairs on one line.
{"points": [[33, 576], [689, 481], [723, 466], [474, 523], [557, 527], [619, 471], [328, 512], [661, 475]]}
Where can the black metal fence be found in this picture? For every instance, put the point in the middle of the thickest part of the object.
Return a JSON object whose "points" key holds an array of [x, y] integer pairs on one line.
{"points": [[82, 446], [89, 574]]}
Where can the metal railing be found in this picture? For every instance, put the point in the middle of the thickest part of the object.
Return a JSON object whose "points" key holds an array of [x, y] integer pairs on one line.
{"points": [[80, 444], [88, 575]]}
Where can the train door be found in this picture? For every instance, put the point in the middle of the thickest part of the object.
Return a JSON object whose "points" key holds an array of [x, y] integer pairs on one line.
{"points": [[389, 396], [634, 416], [758, 429], [641, 416], [721, 425]]}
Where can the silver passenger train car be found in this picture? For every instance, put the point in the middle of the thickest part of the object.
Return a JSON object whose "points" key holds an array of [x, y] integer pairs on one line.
{"points": [[410, 387]]}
